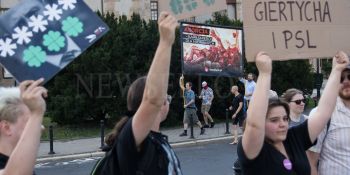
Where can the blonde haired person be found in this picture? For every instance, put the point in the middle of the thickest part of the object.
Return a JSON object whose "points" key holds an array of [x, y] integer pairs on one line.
{"points": [[21, 114]]}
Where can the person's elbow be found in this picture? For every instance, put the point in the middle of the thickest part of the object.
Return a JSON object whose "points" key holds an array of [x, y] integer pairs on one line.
{"points": [[153, 99]]}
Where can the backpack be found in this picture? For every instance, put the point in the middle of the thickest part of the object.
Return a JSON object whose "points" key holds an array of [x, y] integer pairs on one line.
{"points": [[142, 165], [99, 165], [97, 169]]}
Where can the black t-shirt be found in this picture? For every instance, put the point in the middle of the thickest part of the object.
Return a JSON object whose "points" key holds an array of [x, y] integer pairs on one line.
{"points": [[3, 161], [270, 160], [156, 156], [235, 104]]}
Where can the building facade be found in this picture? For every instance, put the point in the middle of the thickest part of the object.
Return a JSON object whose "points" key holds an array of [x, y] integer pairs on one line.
{"points": [[148, 9]]}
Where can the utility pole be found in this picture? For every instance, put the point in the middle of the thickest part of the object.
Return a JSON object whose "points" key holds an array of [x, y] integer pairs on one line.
{"points": [[319, 79], [101, 8]]}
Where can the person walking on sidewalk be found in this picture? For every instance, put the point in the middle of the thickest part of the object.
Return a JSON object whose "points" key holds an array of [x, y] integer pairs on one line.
{"points": [[267, 137], [21, 114], [190, 107], [237, 112], [296, 101], [137, 146], [207, 97]]}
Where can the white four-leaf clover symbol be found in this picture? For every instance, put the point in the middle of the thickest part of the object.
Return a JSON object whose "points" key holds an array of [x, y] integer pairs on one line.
{"points": [[53, 12], [38, 23], [6, 47], [67, 4], [22, 35]]}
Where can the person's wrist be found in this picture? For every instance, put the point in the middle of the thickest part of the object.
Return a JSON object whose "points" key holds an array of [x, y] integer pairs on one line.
{"points": [[36, 117], [165, 42], [38, 113]]}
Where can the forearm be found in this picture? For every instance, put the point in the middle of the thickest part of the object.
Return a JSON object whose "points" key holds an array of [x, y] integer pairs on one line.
{"points": [[254, 134], [158, 75], [238, 109], [26, 149], [181, 84], [259, 103], [329, 95], [154, 94], [326, 105], [189, 103], [313, 160]]}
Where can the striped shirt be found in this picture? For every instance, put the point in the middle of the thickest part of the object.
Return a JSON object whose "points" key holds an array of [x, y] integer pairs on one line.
{"points": [[335, 150], [207, 96]]}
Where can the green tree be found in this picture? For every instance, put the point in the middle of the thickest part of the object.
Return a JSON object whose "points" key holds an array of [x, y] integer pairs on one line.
{"points": [[96, 83]]}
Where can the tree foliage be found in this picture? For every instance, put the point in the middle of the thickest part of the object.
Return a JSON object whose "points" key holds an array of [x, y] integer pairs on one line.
{"points": [[96, 83]]}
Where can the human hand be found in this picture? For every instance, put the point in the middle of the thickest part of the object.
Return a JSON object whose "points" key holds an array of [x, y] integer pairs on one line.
{"points": [[234, 116], [166, 25], [340, 61], [32, 95], [230, 108], [263, 62]]}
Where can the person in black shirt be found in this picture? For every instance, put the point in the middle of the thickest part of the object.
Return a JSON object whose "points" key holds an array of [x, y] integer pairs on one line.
{"points": [[237, 112], [267, 145], [21, 114], [136, 145]]}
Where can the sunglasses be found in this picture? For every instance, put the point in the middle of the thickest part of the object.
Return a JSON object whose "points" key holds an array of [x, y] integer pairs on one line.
{"points": [[299, 101], [342, 78]]}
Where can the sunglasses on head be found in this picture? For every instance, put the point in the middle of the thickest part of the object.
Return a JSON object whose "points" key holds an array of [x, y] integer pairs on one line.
{"points": [[299, 101], [342, 78]]}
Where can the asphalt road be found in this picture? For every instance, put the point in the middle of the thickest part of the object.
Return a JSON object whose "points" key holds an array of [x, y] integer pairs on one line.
{"points": [[213, 158]]}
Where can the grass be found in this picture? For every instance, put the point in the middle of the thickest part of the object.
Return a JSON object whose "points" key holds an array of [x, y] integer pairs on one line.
{"points": [[71, 132], [310, 103], [91, 130]]}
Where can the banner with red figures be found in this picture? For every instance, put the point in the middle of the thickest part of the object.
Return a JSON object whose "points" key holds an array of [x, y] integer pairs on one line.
{"points": [[211, 50]]}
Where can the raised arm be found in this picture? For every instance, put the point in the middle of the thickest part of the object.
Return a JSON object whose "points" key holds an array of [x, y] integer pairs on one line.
{"points": [[254, 134], [22, 159], [318, 120], [181, 83], [157, 80]]}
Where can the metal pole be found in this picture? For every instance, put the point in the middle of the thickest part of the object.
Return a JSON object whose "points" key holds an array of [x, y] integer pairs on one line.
{"points": [[227, 123], [102, 7], [319, 80], [51, 139], [102, 124], [191, 123]]}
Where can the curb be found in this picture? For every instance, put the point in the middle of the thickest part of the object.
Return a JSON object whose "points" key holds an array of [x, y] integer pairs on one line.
{"points": [[71, 156], [101, 153]]}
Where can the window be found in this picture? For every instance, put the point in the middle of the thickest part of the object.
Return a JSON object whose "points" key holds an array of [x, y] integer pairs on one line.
{"points": [[154, 10]]}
